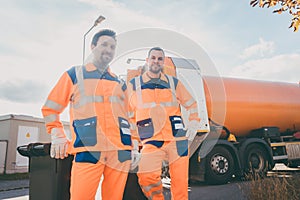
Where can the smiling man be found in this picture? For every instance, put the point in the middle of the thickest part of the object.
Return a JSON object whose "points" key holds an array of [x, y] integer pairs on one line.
{"points": [[101, 137], [155, 100]]}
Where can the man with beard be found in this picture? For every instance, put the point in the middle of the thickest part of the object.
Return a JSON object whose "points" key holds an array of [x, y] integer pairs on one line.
{"points": [[101, 137], [155, 99]]}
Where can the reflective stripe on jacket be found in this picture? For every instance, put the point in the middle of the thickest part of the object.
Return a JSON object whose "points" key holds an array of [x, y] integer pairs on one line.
{"points": [[98, 114]]}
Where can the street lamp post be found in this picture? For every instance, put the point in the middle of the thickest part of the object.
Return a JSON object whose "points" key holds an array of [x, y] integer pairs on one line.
{"points": [[97, 21]]}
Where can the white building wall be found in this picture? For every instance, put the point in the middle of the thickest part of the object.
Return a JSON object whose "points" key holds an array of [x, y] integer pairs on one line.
{"points": [[18, 130]]}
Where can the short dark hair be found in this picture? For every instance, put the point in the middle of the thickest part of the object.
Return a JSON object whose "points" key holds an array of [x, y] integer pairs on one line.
{"points": [[107, 32], [156, 49]]}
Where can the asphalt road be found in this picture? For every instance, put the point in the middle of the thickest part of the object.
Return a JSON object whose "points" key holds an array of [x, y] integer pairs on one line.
{"points": [[233, 191], [19, 190], [14, 189]]}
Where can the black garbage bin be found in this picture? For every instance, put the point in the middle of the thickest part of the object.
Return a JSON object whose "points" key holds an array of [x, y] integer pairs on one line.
{"points": [[49, 179]]}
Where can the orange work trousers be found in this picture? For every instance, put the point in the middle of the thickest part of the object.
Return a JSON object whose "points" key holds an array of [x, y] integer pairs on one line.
{"points": [[149, 174], [88, 168]]}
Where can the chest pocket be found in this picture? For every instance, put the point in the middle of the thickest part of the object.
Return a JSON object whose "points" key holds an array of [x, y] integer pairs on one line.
{"points": [[177, 126], [85, 130], [145, 128], [125, 131]]}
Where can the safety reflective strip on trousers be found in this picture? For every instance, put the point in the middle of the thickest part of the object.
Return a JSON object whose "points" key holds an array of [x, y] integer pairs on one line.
{"points": [[154, 193], [149, 187], [90, 99], [141, 104]]}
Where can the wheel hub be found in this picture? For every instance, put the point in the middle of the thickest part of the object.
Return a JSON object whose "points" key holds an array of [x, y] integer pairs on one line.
{"points": [[256, 162], [219, 164]]}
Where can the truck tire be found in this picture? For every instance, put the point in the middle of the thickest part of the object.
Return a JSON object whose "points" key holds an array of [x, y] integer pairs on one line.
{"points": [[256, 160], [219, 166]]}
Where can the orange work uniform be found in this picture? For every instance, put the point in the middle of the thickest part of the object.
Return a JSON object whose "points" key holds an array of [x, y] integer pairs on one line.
{"points": [[156, 107], [101, 137]]}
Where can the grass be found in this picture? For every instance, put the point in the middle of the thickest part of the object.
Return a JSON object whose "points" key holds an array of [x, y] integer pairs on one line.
{"points": [[284, 187], [17, 176]]}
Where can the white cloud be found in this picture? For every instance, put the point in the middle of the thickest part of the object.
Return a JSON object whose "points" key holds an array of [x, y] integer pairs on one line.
{"points": [[180, 16], [42, 39], [285, 67], [32, 109], [23, 91], [120, 17], [263, 48]]}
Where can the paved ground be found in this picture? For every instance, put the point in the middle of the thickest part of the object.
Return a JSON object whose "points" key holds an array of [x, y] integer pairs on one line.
{"points": [[12, 189], [232, 191], [19, 190]]}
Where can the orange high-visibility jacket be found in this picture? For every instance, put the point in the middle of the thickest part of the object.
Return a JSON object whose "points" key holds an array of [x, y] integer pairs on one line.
{"points": [[156, 107], [98, 114]]}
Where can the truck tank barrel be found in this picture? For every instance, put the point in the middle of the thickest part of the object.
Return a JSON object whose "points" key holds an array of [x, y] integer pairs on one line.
{"points": [[252, 104]]}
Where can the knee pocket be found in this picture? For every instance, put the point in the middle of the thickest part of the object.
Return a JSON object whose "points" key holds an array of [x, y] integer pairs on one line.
{"points": [[124, 155], [182, 147]]}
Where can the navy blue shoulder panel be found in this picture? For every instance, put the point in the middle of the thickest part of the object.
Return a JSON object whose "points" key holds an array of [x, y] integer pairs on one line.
{"points": [[93, 75], [161, 85], [155, 85], [132, 81], [108, 76], [152, 86], [90, 74], [72, 75], [124, 86], [97, 75]]}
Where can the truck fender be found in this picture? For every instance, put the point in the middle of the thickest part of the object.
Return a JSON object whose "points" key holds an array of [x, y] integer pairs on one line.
{"points": [[244, 144]]}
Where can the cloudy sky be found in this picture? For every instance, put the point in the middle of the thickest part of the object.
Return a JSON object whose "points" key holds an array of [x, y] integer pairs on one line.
{"points": [[40, 39]]}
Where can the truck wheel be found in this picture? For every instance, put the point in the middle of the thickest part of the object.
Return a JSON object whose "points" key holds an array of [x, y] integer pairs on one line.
{"points": [[256, 160], [219, 166]]}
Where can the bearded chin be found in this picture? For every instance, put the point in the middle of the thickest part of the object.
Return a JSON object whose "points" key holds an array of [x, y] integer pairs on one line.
{"points": [[155, 71], [106, 60]]}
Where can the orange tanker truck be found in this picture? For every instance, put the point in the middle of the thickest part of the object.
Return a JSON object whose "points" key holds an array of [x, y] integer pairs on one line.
{"points": [[246, 125], [260, 127]]}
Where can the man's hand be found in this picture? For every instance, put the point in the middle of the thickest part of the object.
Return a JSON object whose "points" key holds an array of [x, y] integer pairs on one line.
{"points": [[135, 155], [59, 144], [192, 129]]}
